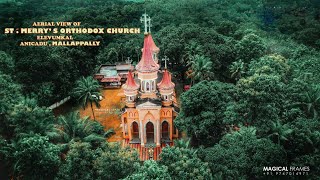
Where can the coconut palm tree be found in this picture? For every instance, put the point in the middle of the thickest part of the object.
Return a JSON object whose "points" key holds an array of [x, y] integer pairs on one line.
{"points": [[237, 69], [311, 101], [182, 143], [280, 131], [87, 90], [73, 128], [201, 67], [191, 49]]}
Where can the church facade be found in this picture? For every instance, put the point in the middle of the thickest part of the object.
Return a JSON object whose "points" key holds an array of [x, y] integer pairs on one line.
{"points": [[149, 113]]}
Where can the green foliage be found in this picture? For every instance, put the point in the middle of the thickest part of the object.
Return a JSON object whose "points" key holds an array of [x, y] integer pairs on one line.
{"points": [[312, 161], [183, 163], [280, 131], [118, 163], [201, 68], [305, 138], [27, 117], [35, 158], [241, 155], [6, 63], [79, 163], [150, 170], [87, 90], [9, 94], [73, 128], [201, 121], [260, 99], [270, 49], [271, 65], [250, 47]]}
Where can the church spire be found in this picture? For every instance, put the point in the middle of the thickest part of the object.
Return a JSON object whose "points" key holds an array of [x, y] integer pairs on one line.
{"points": [[147, 63], [166, 83], [130, 84]]}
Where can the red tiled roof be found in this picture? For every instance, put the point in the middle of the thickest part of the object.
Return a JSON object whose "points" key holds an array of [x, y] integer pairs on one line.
{"points": [[111, 79], [153, 47], [147, 63], [166, 82], [130, 84]]}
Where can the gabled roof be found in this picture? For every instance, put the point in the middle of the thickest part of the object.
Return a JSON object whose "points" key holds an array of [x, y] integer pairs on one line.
{"points": [[166, 82], [130, 83], [147, 63]]}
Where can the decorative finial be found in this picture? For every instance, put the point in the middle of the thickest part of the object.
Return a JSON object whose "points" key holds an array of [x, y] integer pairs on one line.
{"points": [[165, 59]]}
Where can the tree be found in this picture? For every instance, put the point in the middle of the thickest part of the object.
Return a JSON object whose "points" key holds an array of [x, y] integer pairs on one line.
{"points": [[259, 99], [237, 69], [182, 143], [34, 157], [183, 163], [250, 47], [304, 139], [241, 155], [202, 111], [6, 63], [150, 170], [117, 163], [72, 128], [87, 91], [27, 117], [201, 69], [79, 162], [10, 94], [271, 65], [311, 101], [280, 131]]}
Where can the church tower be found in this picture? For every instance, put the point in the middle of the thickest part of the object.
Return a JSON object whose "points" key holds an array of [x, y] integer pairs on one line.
{"points": [[166, 88], [147, 68], [147, 119], [130, 89]]}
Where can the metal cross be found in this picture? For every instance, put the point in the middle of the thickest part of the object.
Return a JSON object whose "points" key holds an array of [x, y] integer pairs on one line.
{"points": [[165, 59], [146, 20]]}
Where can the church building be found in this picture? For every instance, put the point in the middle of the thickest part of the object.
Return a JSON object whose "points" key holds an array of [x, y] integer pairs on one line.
{"points": [[149, 113]]}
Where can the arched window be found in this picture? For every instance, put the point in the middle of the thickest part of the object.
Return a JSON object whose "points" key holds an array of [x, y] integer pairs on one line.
{"points": [[147, 86], [142, 85], [154, 56], [152, 86]]}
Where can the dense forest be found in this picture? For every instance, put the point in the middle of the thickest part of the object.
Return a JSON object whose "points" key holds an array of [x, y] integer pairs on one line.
{"points": [[254, 101]]}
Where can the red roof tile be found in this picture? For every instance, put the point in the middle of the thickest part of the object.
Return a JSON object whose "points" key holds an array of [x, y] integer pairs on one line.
{"points": [[111, 79], [166, 82], [147, 63], [130, 84]]}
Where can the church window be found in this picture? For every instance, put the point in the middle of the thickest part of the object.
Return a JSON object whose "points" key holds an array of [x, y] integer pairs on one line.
{"points": [[147, 86], [154, 56], [152, 86]]}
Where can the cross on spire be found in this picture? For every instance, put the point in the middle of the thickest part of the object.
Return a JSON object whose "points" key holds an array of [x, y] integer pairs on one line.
{"points": [[165, 59], [147, 22], [128, 60]]}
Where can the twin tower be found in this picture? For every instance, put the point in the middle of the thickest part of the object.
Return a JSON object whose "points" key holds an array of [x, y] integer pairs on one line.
{"points": [[149, 112]]}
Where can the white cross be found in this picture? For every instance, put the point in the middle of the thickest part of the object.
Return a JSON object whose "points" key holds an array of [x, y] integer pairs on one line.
{"points": [[149, 24], [146, 20], [165, 59], [128, 60]]}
